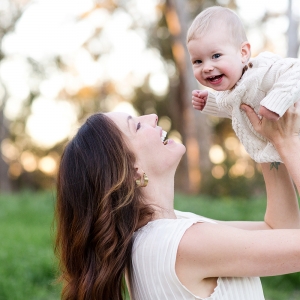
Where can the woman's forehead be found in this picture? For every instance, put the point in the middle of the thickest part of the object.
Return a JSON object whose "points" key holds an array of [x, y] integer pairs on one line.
{"points": [[118, 116], [121, 119]]}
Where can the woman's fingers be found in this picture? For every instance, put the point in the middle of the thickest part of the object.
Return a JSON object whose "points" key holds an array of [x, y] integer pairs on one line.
{"points": [[297, 104], [292, 118], [297, 117], [287, 126]]}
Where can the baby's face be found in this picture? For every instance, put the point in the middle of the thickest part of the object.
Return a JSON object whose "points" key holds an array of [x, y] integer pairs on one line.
{"points": [[217, 63]]}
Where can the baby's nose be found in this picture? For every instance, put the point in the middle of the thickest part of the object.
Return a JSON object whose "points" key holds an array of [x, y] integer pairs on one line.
{"points": [[208, 67]]}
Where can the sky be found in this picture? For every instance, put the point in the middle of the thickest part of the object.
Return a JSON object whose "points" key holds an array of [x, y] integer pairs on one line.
{"points": [[50, 28]]}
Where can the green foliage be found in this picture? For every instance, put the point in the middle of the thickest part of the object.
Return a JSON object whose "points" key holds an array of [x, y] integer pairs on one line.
{"points": [[225, 209], [239, 186]]}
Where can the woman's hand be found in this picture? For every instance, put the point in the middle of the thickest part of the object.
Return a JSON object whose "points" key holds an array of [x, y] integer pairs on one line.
{"points": [[280, 131], [284, 134]]}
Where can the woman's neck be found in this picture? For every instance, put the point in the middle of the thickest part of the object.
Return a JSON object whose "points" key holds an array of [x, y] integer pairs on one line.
{"points": [[159, 194]]}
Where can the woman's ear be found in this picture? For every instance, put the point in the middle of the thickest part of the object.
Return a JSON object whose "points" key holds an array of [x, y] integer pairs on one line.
{"points": [[138, 171], [141, 178], [245, 51]]}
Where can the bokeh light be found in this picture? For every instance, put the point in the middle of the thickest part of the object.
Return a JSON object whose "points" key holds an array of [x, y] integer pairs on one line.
{"points": [[217, 154]]}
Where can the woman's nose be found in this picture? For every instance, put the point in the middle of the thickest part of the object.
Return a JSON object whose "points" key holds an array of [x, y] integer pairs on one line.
{"points": [[154, 119], [151, 119]]}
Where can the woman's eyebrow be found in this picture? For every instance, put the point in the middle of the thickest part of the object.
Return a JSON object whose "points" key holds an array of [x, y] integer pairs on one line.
{"points": [[129, 118]]}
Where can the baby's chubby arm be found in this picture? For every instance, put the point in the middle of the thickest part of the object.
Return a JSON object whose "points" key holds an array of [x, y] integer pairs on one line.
{"points": [[206, 102], [285, 89]]}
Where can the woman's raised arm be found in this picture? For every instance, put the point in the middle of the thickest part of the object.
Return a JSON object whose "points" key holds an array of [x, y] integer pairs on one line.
{"points": [[209, 250], [284, 134], [282, 204]]}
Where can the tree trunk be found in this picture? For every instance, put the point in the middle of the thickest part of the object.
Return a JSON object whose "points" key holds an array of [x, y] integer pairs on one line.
{"points": [[195, 131], [5, 183], [13, 10], [292, 33]]}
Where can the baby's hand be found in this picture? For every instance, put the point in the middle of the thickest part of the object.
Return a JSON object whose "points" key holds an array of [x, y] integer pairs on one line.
{"points": [[199, 99]]}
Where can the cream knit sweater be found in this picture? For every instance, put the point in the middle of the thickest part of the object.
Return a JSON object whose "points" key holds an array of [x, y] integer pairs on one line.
{"points": [[270, 81]]}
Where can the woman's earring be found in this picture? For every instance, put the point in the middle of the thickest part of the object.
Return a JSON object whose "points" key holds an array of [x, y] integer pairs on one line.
{"points": [[143, 181]]}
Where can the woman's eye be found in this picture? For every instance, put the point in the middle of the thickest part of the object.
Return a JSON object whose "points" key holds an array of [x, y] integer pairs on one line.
{"points": [[138, 126], [217, 55], [197, 62]]}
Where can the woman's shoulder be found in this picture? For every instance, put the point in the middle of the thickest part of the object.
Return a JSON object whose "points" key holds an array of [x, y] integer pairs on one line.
{"points": [[189, 215], [160, 233], [183, 219]]}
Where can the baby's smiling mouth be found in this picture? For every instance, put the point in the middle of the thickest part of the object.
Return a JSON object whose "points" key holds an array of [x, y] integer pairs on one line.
{"points": [[214, 78], [163, 137]]}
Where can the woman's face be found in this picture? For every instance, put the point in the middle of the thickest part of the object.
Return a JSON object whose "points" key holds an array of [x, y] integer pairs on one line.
{"points": [[144, 139]]}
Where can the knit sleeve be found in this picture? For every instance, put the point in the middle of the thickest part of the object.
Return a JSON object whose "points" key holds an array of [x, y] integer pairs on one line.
{"points": [[211, 107], [285, 89]]}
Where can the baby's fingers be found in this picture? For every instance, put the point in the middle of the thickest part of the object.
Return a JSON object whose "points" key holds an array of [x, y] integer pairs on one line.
{"points": [[196, 93], [198, 100], [197, 105]]}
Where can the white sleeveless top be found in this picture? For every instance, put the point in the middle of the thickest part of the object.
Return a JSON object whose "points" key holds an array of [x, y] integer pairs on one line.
{"points": [[153, 275]]}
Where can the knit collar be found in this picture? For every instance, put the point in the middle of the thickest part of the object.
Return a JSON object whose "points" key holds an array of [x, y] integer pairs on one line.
{"points": [[246, 67]]}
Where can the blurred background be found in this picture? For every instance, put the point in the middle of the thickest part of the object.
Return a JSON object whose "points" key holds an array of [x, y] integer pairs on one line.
{"points": [[63, 60]]}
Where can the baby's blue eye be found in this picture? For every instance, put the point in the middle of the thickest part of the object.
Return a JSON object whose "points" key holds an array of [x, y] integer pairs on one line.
{"points": [[198, 62], [217, 55]]}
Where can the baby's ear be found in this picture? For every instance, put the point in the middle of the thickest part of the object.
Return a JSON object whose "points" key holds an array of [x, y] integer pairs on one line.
{"points": [[245, 51]]}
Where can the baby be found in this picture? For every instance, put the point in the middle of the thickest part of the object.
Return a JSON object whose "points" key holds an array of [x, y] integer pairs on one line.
{"points": [[220, 54]]}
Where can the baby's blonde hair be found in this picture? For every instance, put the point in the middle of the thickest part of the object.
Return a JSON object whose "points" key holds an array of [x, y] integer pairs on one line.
{"points": [[214, 17]]}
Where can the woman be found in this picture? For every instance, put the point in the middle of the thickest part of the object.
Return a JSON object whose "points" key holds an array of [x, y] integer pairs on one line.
{"points": [[115, 213]]}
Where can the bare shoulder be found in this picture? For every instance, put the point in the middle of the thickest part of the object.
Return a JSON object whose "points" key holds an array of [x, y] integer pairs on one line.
{"points": [[189, 260], [197, 235], [193, 249]]}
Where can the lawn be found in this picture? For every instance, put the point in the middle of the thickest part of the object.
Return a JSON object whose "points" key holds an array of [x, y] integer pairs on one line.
{"points": [[26, 257], [28, 265]]}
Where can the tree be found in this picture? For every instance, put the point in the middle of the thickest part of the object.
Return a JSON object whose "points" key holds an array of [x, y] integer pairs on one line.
{"points": [[194, 127], [176, 104], [5, 185], [10, 13], [292, 33]]}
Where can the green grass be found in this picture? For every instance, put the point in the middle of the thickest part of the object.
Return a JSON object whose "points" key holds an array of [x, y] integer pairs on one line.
{"points": [[26, 254], [27, 262]]}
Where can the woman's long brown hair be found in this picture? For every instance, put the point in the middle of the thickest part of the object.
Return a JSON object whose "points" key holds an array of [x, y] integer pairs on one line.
{"points": [[98, 208]]}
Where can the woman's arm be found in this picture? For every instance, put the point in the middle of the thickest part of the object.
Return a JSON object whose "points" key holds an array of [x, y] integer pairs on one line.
{"points": [[284, 134], [216, 250], [212, 250], [282, 202]]}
